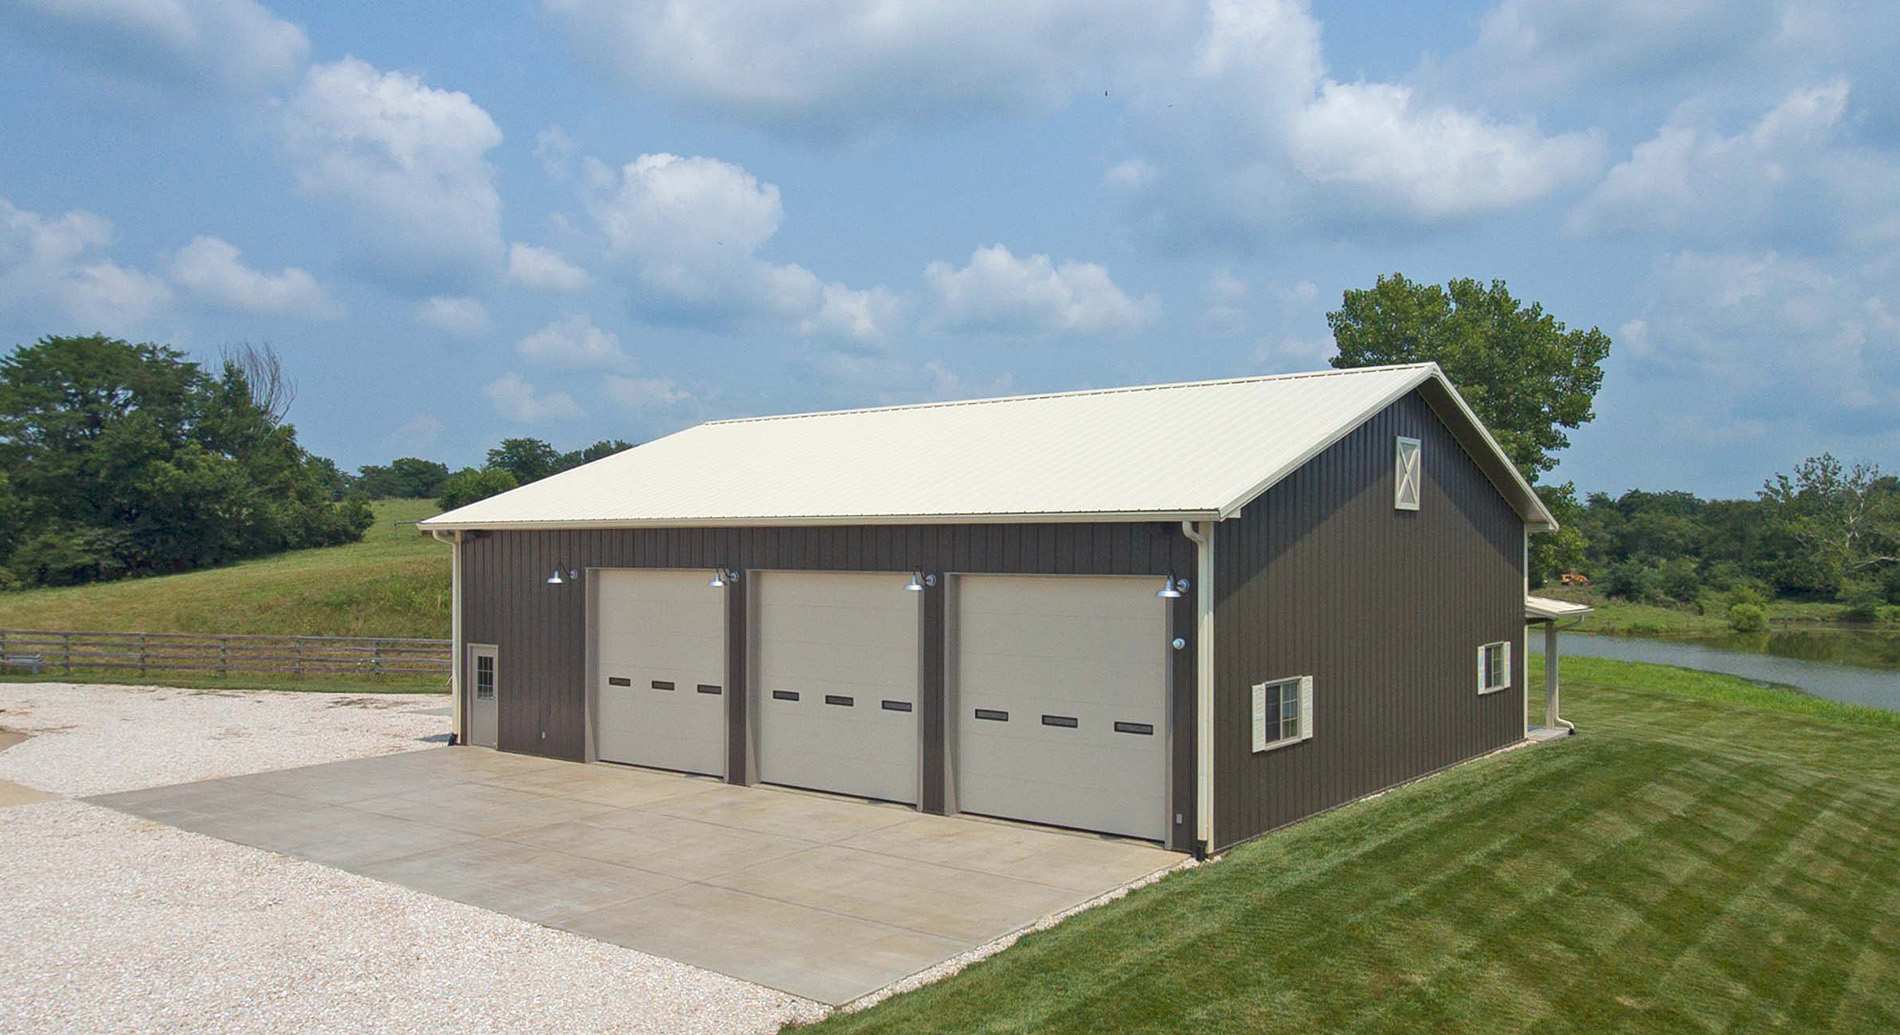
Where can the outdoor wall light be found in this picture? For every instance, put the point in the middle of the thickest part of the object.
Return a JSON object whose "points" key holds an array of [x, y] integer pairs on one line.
{"points": [[919, 580], [556, 579], [1171, 588], [721, 576]]}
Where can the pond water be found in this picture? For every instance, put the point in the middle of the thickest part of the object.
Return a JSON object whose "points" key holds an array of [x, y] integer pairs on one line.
{"points": [[1858, 667]]}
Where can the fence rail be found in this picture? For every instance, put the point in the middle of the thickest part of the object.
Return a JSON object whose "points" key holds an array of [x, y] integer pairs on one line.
{"points": [[224, 654]]}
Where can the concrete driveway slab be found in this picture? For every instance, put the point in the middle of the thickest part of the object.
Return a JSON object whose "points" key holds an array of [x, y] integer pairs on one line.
{"points": [[824, 897]]}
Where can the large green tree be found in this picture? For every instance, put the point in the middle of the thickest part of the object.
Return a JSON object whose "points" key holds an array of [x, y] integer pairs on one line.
{"points": [[126, 458], [1830, 525], [1525, 375]]}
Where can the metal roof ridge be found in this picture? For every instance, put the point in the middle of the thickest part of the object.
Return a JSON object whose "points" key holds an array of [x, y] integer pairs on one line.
{"points": [[1074, 393]]}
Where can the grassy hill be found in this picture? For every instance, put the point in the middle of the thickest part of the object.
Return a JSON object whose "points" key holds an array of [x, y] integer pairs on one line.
{"points": [[1707, 856], [393, 583]]}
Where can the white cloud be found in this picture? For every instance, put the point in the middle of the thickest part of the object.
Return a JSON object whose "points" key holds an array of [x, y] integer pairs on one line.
{"points": [[1790, 175], [59, 263], [407, 165], [218, 46], [519, 401], [417, 433], [647, 393], [457, 315], [544, 268], [998, 291], [573, 343], [691, 229], [853, 67], [555, 149], [212, 268], [1774, 333]]}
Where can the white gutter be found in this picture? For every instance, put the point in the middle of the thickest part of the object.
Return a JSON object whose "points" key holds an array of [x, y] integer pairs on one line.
{"points": [[1203, 539], [454, 539], [1553, 686]]}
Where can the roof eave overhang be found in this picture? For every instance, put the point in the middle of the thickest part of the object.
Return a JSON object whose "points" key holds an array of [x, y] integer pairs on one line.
{"points": [[823, 520], [1476, 440]]}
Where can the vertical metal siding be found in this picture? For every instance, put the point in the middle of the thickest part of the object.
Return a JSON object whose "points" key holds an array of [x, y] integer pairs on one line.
{"points": [[1385, 608], [541, 629]]}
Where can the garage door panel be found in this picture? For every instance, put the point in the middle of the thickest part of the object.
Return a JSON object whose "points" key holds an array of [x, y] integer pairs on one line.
{"points": [[666, 627], [848, 636], [1088, 652]]}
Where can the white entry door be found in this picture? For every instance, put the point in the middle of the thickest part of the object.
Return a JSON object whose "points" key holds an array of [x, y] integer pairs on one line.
{"points": [[661, 650], [838, 683], [1061, 701]]}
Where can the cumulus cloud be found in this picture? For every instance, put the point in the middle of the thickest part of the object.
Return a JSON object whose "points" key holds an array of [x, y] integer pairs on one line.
{"points": [[647, 393], [517, 400], [1791, 175], [857, 67], [690, 229], [213, 269], [1543, 46], [207, 46], [1781, 334], [416, 434], [406, 164], [544, 268], [455, 314], [997, 291], [59, 263], [573, 343]]}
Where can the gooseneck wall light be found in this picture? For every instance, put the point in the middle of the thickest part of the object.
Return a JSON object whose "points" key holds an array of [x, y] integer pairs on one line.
{"points": [[563, 575], [1171, 588], [722, 576], [918, 580]]}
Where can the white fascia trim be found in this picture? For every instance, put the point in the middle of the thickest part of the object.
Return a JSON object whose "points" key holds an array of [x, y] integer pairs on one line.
{"points": [[1540, 517], [798, 521]]}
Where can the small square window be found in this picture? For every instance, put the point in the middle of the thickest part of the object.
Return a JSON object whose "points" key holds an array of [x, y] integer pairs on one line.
{"points": [[1282, 712], [1494, 667]]}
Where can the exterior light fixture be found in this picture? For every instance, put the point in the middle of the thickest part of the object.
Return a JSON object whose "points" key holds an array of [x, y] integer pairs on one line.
{"points": [[721, 576], [1171, 588], [918, 581], [558, 579]]}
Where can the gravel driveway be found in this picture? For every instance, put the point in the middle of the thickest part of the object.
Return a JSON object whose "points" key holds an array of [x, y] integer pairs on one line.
{"points": [[116, 924]]}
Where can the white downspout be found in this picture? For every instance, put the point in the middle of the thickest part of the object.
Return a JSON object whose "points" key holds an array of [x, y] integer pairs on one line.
{"points": [[456, 720], [1553, 686], [1203, 539]]}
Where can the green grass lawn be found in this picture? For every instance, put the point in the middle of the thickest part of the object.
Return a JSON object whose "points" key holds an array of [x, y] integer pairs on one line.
{"points": [[393, 583], [1708, 856]]}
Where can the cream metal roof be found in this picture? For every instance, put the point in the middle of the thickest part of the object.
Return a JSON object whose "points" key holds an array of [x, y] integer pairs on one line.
{"points": [[1549, 609], [1195, 451]]}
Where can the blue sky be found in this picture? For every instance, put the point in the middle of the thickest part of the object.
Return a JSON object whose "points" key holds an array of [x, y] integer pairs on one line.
{"points": [[583, 219]]}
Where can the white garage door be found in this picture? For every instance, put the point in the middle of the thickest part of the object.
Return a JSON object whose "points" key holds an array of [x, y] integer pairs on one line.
{"points": [[838, 683], [1061, 699], [662, 656]]}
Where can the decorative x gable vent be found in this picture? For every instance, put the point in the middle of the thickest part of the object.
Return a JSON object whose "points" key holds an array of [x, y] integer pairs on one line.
{"points": [[1407, 495]]}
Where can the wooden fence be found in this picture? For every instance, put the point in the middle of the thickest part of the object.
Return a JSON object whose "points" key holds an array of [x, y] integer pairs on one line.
{"points": [[64, 651]]}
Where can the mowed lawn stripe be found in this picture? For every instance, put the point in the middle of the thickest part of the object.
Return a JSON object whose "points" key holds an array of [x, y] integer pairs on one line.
{"points": [[1702, 859]]}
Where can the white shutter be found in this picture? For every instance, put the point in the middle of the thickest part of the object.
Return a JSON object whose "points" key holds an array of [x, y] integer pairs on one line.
{"points": [[1507, 665], [1481, 667], [1260, 737], [1407, 467], [1306, 707]]}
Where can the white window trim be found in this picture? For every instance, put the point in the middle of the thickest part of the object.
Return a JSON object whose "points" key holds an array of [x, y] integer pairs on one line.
{"points": [[1483, 688], [1412, 473], [1260, 739]]}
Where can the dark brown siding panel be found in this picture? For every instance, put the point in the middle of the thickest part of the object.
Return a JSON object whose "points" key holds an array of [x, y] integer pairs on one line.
{"points": [[1385, 608], [738, 680], [541, 629]]}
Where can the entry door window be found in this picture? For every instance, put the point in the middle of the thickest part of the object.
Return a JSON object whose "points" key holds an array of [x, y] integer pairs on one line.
{"points": [[484, 677]]}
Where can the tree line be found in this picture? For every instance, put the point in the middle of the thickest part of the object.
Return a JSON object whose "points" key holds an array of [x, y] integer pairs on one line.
{"points": [[121, 460], [1825, 531], [512, 463]]}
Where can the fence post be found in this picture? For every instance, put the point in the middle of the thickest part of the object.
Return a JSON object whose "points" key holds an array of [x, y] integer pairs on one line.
{"points": [[3, 644], [296, 644], [224, 657], [376, 659], [141, 655], [66, 646]]}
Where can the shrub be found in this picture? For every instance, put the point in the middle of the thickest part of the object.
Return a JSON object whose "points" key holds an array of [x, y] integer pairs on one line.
{"points": [[1863, 598], [1678, 579], [1747, 618], [1631, 580], [1748, 593]]}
